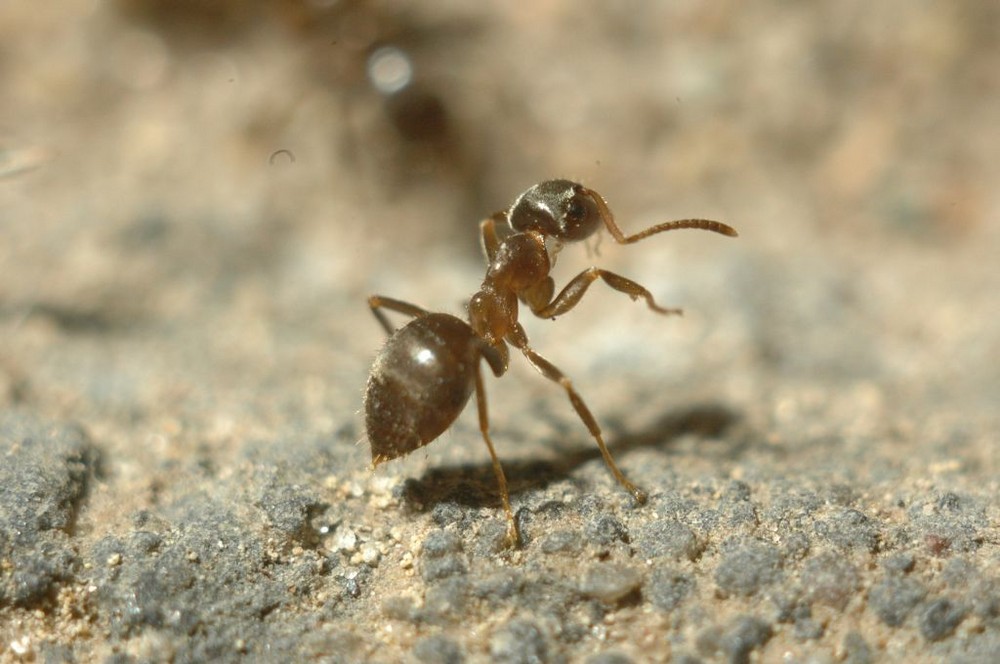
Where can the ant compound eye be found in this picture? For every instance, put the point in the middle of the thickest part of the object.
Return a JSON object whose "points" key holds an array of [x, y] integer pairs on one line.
{"points": [[575, 209], [580, 217]]}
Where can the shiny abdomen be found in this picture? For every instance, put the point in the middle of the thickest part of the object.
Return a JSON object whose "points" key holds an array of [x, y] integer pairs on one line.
{"points": [[420, 382]]}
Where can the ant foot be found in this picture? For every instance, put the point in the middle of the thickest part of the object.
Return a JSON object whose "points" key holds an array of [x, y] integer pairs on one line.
{"points": [[513, 538]]}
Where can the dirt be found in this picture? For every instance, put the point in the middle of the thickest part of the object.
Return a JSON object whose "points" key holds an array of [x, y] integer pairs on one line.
{"points": [[196, 201]]}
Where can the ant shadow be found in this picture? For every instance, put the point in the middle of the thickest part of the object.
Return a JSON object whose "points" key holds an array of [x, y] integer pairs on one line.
{"points": [[474, 485]]}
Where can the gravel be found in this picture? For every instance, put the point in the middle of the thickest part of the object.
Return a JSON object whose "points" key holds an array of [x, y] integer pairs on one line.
{"points": [[747, 568], [195, 205], [46, 471], [893, 599]]}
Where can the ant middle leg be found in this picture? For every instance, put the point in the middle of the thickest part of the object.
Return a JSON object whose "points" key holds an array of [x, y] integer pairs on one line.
{"points": [[513, 536], [571, 295], [379, 302], [520, 340]]}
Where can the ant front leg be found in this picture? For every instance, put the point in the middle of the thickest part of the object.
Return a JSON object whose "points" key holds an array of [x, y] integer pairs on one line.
{"points": [[520, 340], [379, 302], [513, 536], [571, 295], [488, 230]]}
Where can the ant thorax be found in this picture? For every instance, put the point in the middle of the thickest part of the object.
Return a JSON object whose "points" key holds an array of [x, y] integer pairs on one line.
{"points": [[522, 260]]}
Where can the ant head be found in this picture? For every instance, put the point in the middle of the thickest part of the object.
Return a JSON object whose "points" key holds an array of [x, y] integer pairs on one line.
{"points": [[559, 209]]}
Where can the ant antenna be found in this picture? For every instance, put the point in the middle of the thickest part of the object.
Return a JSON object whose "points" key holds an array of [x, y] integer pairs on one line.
{"points": [[609, 221]]}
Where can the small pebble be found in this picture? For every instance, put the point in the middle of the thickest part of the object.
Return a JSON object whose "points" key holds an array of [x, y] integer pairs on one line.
{"points": [[940, 618], [346, 540], [893, 598], [438, 650], [445, 602], [747, 569], [520, 641], [441, 556], [667, 588], [856, 649], [667, 538], [433, 569], [744, 635], [445, 514], [439, 543], [605, 530], [850, 529], [900, 563], [561, 541], [829, 579], [370, 554], [609, 582], [399, 607]]}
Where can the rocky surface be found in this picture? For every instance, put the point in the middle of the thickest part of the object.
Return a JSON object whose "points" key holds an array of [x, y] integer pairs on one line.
{"points": [[195, 203]]}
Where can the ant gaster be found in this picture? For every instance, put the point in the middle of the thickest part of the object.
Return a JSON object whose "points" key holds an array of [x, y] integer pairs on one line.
{"points": [[426, 372]]}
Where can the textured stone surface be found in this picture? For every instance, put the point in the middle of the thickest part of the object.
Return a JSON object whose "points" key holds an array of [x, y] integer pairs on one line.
{"points": [[46, 471], [195, 205], [748, 567]]}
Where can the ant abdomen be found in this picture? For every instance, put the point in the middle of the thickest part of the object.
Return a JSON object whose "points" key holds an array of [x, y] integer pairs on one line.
{"points": [[420, 382]]}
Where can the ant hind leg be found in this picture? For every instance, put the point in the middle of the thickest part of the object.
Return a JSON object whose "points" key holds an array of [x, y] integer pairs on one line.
{"points": [[513, 536], [379, 302], [550, 371]]}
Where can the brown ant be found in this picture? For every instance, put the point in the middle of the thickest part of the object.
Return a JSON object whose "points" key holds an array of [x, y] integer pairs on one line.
{"points": [[427, 370]]}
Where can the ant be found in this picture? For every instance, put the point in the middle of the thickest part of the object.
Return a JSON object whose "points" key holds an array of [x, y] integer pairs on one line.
{"points": [[424, 375]]}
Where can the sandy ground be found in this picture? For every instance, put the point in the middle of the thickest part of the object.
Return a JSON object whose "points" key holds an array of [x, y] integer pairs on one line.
{"points": [[195, 201]]}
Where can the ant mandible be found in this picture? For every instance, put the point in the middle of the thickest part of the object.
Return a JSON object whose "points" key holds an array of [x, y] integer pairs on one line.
{"points": [[427, 370]]}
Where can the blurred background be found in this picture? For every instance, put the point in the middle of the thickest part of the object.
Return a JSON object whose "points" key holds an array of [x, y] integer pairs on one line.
{"points": [[197, 197], [187, 185]]}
